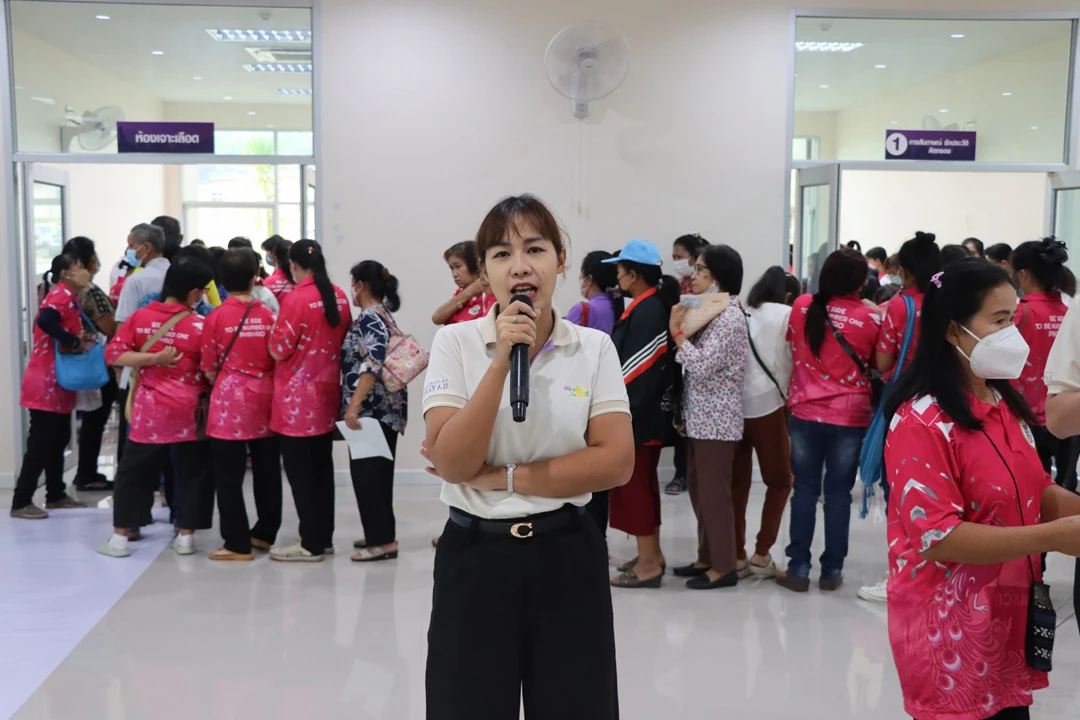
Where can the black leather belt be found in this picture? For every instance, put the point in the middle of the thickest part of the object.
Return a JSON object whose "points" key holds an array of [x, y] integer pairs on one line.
{"points": [[522, 528]]}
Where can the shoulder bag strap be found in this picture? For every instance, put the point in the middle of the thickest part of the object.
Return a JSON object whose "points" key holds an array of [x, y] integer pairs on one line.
{"points": [[760, 362], [909, 332], [235, 337], [164, 330], [846, 346]]}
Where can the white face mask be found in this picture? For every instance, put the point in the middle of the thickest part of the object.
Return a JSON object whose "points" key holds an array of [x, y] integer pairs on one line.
{"points": [[998, 356], [683, 269], [712, 289]]}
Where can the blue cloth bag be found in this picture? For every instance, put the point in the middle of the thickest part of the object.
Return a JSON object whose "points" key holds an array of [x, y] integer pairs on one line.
{"points": [[872, 459], [82, 371]]}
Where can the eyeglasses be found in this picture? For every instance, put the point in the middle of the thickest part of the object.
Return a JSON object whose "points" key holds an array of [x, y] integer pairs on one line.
{"points": [[699, 269]]}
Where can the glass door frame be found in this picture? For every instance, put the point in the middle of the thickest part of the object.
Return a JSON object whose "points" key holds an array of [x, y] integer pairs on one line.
{"points": [[816, 175]]}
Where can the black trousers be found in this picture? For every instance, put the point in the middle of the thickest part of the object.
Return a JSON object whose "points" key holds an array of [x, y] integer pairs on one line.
{"points": [[139, 475], [545, 634], [681, 447], [121, 438], [229, 458], [599, 507], [1059, 452], [91, 432], [48, 437], [373, 483], [309, 465]]}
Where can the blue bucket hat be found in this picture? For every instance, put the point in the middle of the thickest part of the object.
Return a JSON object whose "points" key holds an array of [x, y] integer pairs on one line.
{"points": [[638, 251]]}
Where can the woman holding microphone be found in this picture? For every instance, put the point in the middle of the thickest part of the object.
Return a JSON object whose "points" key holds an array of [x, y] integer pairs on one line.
{"points": [[522, 606]]}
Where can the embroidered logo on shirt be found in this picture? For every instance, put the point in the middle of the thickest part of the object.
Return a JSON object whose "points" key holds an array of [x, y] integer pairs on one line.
{"points": [[576, 391]]}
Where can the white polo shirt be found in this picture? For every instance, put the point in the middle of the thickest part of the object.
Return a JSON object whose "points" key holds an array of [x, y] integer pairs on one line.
{"points": [[576, 377], [1063, 362]]}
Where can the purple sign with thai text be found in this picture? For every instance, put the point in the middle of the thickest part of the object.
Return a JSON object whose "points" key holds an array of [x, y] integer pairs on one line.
{"points": [[929, 145], [165, 137]]}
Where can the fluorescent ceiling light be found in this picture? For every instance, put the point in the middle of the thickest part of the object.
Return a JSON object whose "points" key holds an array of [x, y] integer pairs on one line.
{"points": [[293, 91], [827, 46], [270, 126], [227, 97], [44, 100], [1034, 127], [251, 112], [957, 36], [157, 52], [823, 87], [279, 67], [944, 110], [197, 77], [1006, 94], [102, 17], [299, 36], [880, 67], [894, 122]]}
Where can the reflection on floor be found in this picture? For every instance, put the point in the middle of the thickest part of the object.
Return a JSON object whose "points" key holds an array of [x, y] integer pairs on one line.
{"points": [[191, 639]]}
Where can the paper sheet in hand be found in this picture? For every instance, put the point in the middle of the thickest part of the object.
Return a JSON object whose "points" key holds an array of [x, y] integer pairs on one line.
{"points": [[368, 442]]}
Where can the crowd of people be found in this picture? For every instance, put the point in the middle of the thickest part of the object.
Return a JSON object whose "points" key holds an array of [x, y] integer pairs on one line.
{"points": [[219, 365]]}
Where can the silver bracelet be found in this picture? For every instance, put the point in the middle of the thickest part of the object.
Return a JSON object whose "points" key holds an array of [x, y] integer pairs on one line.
{"points": [[510, 478]]}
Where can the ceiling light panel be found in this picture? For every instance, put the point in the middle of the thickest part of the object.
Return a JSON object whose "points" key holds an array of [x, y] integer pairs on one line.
{"points": [[298, 36], [842, 47], [279, 67], [293, 91]]}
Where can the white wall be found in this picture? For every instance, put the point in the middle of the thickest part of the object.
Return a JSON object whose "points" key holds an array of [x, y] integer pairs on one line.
{"points": [[887, 208]]}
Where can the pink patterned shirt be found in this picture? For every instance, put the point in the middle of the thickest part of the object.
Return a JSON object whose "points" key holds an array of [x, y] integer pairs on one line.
{"points": [[163, 410], [278, 284], [243, 395], [958, 631], [894, 324], [40, 390], [307, 380], [713, 369]]}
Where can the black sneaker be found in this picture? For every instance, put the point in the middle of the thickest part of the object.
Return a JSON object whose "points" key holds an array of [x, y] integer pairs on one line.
{"points": [[93, 483], [676, 487]]}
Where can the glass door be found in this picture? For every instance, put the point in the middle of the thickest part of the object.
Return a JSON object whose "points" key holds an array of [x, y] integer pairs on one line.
{"points": [[46, 211], [309, 202], [1065, 213], [817, 220]]}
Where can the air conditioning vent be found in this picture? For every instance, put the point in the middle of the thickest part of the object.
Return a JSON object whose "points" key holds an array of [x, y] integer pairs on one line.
{"points": [[291, 54]]}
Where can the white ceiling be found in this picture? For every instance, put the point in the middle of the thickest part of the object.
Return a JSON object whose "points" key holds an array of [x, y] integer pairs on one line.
{"points": [[122, 47], [914, 52]]}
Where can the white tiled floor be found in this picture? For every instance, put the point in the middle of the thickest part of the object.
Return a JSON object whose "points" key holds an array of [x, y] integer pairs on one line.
{"points": [[195, 640]]}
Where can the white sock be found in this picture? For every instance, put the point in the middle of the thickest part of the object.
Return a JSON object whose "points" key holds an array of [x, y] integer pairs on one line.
{"points": [[186, 540], [118, 542]]}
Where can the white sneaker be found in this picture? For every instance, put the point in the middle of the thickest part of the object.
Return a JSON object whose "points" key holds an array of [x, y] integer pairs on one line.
{"points": [[294, 553], [878, 593]]}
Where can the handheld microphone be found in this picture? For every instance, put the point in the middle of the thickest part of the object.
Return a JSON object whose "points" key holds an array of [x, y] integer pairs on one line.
{"points": [[519, 371]]}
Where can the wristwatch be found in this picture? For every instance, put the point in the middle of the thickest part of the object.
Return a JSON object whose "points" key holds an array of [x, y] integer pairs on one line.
{"points": [[510, 478]]}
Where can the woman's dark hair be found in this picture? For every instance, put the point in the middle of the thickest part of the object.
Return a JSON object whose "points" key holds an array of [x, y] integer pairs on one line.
{"points": [[62, 262], [937, 368], [843, 273], [82, 248], [953, 253], [871, 287], [877, 253], [725, 265], [379, 281], [978, 249], [240, 242], [271, 242], [921, 257], [1068, 282], [605, 275], [207, 256], [772, 287], [171, 227], [197, 243], [885, 293], [1044, 260], [183, 277], [281, 259], [237, 270], [466, 252], [512, 213], [667, 287], [308, 255], [854, 245], [999, 253], [692, 244]]}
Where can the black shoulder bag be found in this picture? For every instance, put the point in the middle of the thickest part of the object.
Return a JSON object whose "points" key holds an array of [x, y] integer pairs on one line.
{"points": [[1042, 617]]}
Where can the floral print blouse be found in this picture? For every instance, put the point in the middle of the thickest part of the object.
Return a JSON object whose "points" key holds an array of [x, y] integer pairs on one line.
{"points": [[364, 351], [714, 367]]}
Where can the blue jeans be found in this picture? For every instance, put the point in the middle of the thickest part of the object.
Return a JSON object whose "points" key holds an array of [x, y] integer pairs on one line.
{"points": [[834, 449]]}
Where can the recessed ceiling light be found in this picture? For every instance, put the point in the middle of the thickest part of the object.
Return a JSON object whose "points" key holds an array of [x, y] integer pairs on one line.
{"points": [[251, 112], [1034, 127], [227, 97], [102, 17], [957, 36], [823, 87], [1006, 94], [270, 126], [944, 110], [197, 77], [827, 46], [293, 91], [157, 52], [18, 87], [279, 67], [880, 67], [44, 100], [261, 35], [894, 122]]}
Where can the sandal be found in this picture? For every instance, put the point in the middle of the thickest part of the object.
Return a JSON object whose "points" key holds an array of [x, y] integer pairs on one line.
{"points": [[374, 554], [629, 565], [631, 581], [765, 571], [230, 556], [676, 487]]}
